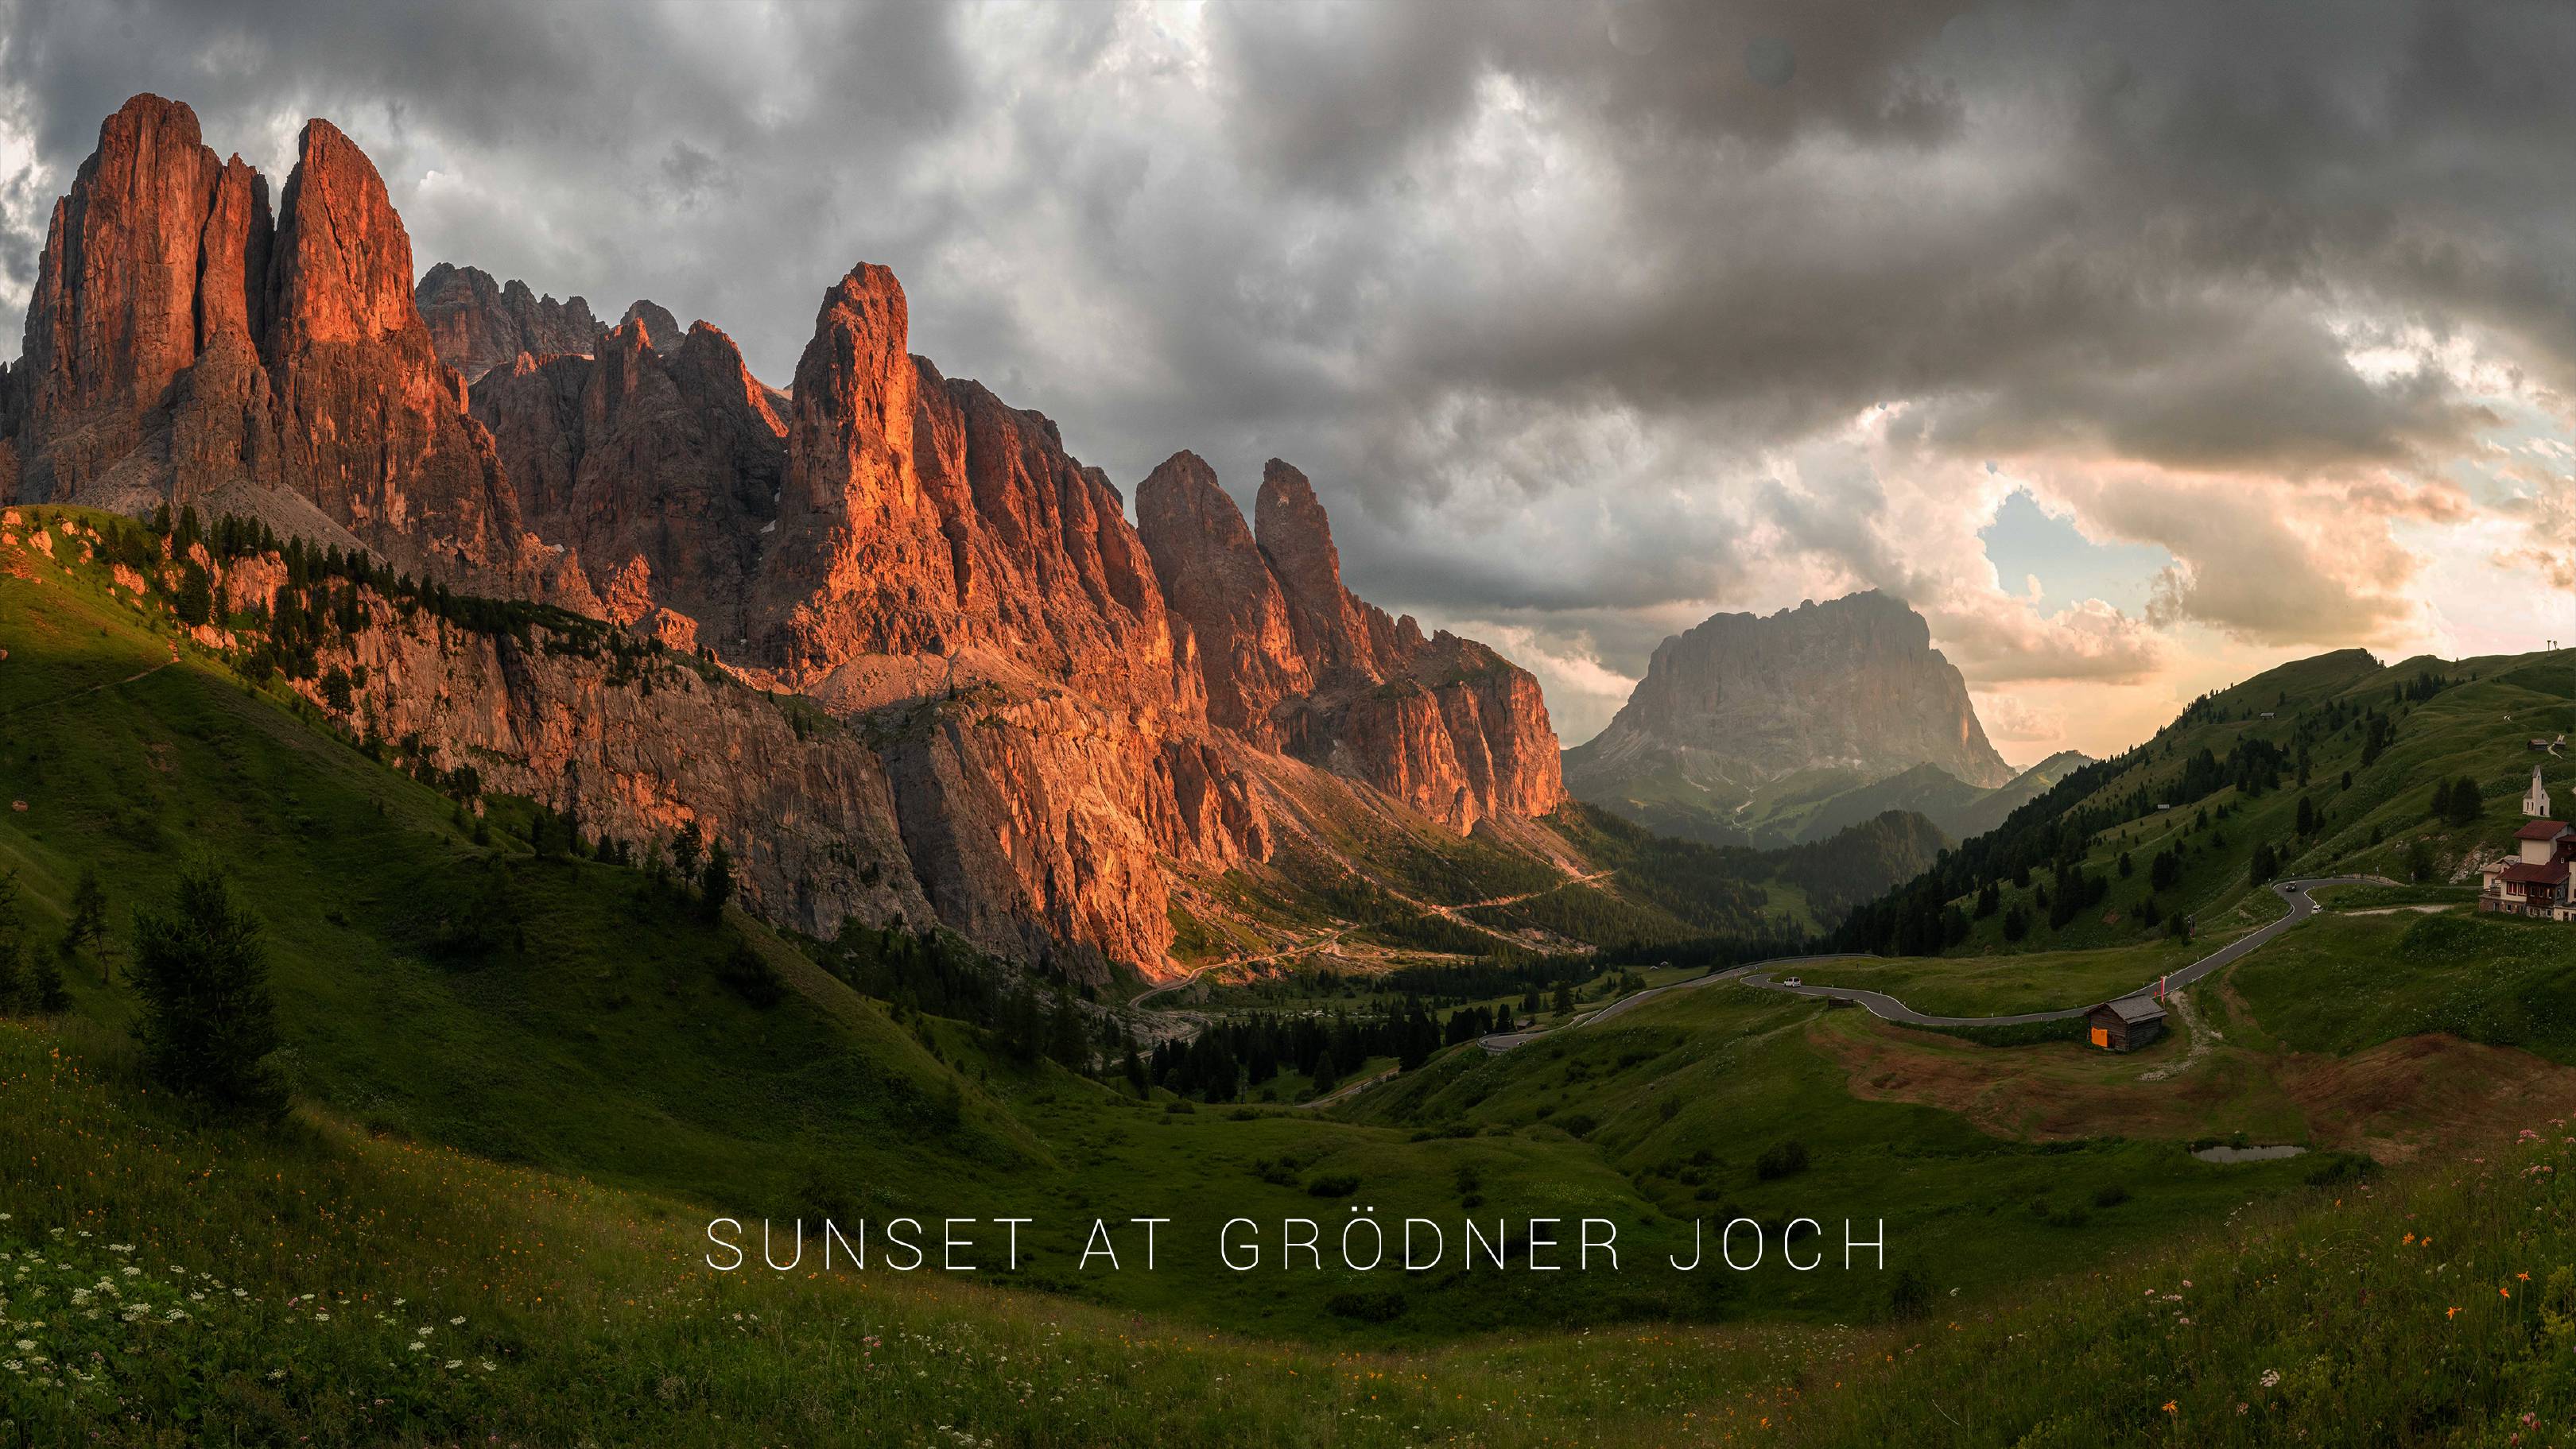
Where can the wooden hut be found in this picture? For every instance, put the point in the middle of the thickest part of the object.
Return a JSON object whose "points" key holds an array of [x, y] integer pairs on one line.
{"points": [[2126, 1024]]}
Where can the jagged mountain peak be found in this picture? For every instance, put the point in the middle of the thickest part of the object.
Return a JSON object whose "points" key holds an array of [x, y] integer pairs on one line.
{"points": [[1094, 709]]}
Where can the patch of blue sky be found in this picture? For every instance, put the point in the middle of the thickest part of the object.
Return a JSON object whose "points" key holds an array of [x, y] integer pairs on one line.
{"points": [[2025, 542]]}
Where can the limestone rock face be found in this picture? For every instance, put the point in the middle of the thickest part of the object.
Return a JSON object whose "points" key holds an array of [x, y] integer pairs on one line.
{"points": [[477, 324], [113, 317], [1334, 627], [1216, 579], [181, 344], [372, 426], [1852, 686], [1294, 661], [809, 818], [658, 471], [1039, 720], [921, 516]]}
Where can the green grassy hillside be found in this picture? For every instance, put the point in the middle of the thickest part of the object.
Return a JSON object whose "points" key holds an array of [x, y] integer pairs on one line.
{"points": [[2327, 765], [285, 1279], [531, 1008]]}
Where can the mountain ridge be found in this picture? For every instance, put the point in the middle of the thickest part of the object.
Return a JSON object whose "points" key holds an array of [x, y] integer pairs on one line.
{"points": [[926, 563]]}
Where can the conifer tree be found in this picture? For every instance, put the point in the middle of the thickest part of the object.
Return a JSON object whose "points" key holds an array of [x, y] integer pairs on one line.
{"points": [[16, 992], [715, 883], [209, 1023]]}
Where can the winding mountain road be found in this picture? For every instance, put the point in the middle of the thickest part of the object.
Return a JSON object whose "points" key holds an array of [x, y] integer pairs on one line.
{"points": [[2294, 893], [1317, 943]]}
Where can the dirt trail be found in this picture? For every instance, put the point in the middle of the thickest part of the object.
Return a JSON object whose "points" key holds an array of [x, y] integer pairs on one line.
{"points": [[1354, 1089], [94, 688], [2203, 1037]]}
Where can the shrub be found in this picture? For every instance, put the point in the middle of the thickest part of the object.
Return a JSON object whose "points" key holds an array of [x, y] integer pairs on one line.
{"points": [[1339, 1184], [1380, 1307], [1909, 1296], [2334, 1169], [750, 976], [1781, 1159]]}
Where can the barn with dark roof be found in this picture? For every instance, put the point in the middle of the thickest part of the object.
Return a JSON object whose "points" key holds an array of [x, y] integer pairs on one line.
{"points": [[2124, 1025]]}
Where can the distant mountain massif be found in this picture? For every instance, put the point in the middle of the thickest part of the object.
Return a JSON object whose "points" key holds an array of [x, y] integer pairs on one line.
{"points": [[1784, 729]]}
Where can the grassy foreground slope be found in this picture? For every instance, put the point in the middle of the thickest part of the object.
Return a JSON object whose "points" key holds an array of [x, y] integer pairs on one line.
{"points": [[326, 1286], [284, 1281], [527, 1007]]}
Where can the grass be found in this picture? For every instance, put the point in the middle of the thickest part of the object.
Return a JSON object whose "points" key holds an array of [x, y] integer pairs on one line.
{"points": [[1686, 1094], [2371, 896], [2342, 984], [2011, 984], [588, 1316], [2433, 1311]]}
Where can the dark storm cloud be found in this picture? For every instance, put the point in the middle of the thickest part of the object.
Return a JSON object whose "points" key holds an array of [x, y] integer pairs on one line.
{"points": [[1532, 288]]}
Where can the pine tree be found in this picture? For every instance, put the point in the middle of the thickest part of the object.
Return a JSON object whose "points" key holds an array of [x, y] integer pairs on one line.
{"points": [[45, 985], [16, 992], [2465, 806], [196, 602], [1065, 1040], [2266, 864], [209, 1023], [2016, 923], [715, 883]]}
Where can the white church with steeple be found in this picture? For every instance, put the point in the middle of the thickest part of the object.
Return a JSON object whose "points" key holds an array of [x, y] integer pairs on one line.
{"points": [[2533, 881]]}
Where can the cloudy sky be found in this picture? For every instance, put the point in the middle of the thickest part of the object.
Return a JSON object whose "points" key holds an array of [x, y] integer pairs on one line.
{"points": [[2139, 346]]}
